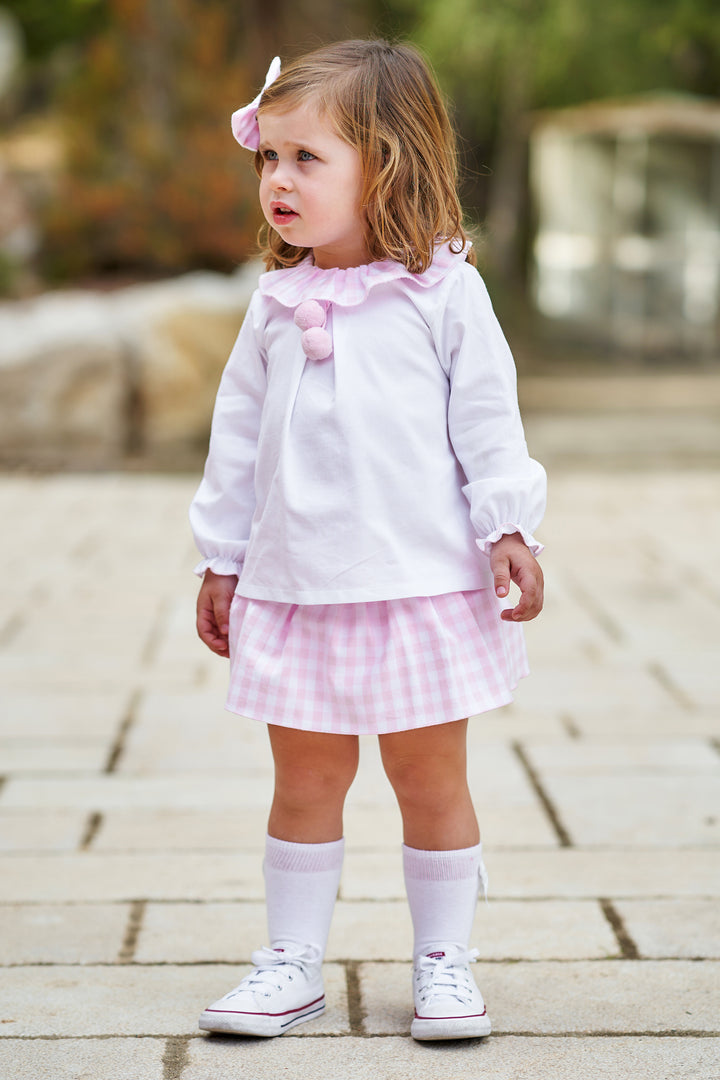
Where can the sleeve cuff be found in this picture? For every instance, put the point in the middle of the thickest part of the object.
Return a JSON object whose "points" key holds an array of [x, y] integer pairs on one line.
{"points": [[219, 564], [486, 544]]}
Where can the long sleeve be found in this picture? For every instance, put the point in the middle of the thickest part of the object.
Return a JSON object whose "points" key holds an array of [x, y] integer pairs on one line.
{"points": [[505, 487], [222, 510]]}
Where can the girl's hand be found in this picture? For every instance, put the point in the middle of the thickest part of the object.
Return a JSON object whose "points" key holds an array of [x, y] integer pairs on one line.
{"points": [[512, 560], [213, 610]]}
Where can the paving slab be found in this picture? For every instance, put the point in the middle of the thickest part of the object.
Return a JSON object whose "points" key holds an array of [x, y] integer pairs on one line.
{"points": [[494, 772], [62, 934], [132, 1000], [151, 827], [594, 720], [663, 928], [98, 878], [510, 930], [565, 873], [569, 873], [201, 933], [82, 1059], [36, 830], [114, 790], [46, 714], [696, 675], [366, 828], [512, 723], [637, 810], [63, 675], [595, 997], [619, 724], [617, 687], [578, 439], [592, 756], [75, 656], [199, 737], [167, 830], [379, 930], [52, 757], [502, 1058], [513, 826]]}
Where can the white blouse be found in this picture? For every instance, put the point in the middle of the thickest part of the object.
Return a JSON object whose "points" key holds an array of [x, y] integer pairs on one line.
{"points": [[386, 469]]}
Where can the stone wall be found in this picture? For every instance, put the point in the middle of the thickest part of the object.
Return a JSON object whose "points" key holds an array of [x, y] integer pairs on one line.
{"points": [[93, 380]]}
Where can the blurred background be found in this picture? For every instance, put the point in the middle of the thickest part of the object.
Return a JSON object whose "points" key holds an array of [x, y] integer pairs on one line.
{"points": [[590, 142]]}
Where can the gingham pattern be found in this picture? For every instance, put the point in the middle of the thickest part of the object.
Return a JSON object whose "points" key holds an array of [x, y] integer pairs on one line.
{"points": [[372, 668]]}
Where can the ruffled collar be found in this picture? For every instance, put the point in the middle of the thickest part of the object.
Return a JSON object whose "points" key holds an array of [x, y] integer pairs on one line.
{"points": [[350, 287]]}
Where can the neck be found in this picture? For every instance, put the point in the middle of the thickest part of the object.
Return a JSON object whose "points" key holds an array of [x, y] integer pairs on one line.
{"points": [[327, 259]]}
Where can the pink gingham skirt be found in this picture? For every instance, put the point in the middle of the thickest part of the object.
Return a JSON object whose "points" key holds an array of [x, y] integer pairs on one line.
{"points": [[372, 668]]}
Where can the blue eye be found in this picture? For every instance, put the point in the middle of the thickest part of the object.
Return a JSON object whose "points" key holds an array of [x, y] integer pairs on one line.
{"points": [[269, 155], [305, 155]]}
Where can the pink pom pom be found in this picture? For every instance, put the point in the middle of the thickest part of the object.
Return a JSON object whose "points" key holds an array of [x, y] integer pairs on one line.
{"points": [[309, 314], [316, 343]]}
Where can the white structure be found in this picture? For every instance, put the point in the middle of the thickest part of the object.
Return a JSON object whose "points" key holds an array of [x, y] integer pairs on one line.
{"points": [[627, 204]]}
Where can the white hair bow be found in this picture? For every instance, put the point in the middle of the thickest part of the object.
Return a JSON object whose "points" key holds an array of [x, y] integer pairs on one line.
{"points": [[244, 121]]}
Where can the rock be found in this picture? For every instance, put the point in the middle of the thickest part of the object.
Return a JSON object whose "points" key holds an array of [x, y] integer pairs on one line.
{"points": [[87, 378], [63, 383], [182, 333]]}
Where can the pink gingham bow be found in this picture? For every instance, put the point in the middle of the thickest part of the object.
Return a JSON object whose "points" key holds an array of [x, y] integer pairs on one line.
{"points": [[244, 121]]}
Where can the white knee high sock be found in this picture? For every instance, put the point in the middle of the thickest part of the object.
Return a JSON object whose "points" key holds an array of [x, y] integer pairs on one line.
{"points": [[301, 884], [442, 891]]}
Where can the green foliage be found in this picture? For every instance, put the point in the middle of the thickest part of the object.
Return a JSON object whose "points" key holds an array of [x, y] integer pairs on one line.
{"points": [[9, 273], [49, 23], [568, 51], [154, 180], [499, 60]]}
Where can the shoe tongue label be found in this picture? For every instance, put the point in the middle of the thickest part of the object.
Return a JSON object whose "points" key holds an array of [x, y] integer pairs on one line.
{"points": [[436, 955]]}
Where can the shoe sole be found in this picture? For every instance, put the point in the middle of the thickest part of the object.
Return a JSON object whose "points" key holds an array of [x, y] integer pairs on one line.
{"points": [[266, 1025], [433, 1029]]}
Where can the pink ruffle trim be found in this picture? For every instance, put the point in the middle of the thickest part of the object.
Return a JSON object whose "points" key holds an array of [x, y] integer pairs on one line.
{"points": [[351, 286], [486, 544]]}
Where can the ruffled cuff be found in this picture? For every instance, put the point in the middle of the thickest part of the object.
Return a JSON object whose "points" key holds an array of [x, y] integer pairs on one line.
{"points": [[219, 564], [486, 544]]}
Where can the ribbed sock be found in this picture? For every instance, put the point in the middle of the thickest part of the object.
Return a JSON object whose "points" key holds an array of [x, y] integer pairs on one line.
{"points": [[442, 891], [301, 884]]}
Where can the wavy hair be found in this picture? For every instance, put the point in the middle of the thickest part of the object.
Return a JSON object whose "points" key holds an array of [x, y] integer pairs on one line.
{"points": [[383, 100]]}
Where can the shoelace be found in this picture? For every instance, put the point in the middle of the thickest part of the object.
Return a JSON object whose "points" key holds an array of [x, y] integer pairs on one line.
{"points": [[273, 968], [445, 976]]}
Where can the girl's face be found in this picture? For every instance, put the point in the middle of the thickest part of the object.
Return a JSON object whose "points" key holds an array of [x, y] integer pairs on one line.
{"points": [[311, 186]]}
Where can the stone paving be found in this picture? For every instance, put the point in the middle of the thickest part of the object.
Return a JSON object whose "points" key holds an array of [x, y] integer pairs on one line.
{"points": [[132, 809]]}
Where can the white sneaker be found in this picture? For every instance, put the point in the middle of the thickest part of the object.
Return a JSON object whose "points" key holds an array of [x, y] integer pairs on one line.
{"points": [[448, 1004], [284, 989]]}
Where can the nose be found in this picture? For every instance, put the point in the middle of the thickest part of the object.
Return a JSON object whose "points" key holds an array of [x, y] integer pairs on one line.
{"points": [[281, 179]]}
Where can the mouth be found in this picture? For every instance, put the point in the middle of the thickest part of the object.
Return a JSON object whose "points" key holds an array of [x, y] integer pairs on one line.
{"points": [[282, 214]]}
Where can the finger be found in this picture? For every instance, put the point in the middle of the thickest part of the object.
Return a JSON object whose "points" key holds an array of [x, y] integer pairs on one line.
{"points": [[528, 607], [501, 576], [209, 633], [221, 607], [205, 621]]}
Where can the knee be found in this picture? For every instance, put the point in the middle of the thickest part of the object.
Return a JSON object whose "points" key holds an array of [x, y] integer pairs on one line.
{"points": [[313, 785], [426, 781]]}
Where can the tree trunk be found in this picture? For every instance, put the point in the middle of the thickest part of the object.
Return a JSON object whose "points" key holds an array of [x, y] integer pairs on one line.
{"points": [[508, 185]]}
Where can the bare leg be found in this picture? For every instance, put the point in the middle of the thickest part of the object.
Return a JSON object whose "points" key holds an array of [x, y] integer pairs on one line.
{"points": [[313, 772], [427, 768]]}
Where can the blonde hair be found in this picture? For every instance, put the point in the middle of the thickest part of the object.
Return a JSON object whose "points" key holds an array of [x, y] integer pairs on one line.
{"points": [[383, 100]]}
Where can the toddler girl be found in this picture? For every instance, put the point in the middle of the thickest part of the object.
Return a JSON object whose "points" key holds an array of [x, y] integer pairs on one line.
{"points": [[367, 499]]}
